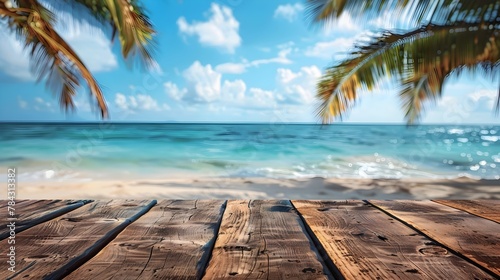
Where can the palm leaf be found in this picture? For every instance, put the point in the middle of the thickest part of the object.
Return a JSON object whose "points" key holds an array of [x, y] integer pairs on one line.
{"points": [[417, 11], [56, 62], [127, 19], [52, 57], [421, 59]]}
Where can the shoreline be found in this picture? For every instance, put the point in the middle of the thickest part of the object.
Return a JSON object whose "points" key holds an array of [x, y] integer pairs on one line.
{"points": [[264, 188]]}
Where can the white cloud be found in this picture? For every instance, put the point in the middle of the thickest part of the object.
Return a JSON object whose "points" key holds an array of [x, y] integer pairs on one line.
{"points": [[288, 11], [232, 68], [462, 104], [260, 99], [282, 58], [233, 90], [330, 49], [82, 103], [285, 75], [146, 102], [22, 103], [221, 29], [140, 102], [478, 101], [14, 60], [173, 91], [292, 88], [343, 24], [203, 83], [121, 101], [238, 68], [297, 87], [42, 105], [484, 99], [92, 45]]}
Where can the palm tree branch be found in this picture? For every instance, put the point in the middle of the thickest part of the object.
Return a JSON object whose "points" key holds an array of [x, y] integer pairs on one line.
{"points": [[410, 56], [438, 12], [127, 19], [52, 56], [54, 41]]}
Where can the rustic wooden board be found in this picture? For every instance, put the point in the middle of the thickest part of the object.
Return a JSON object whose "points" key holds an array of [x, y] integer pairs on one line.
{"points": [[476, 238], [263, 240], [32, 212], [55, 248], [172, 241], [365, 243], [19, 203], [488, 209], [3, 202]]}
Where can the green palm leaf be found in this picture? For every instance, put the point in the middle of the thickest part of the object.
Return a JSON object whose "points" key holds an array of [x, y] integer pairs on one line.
{"points": [[418, 11], [459, 35], [420, 59], [56, 62], [128, 19]]}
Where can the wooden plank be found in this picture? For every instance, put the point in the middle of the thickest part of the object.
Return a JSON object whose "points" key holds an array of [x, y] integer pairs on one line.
{"points": [[3, 202], [172, 241], [365, 243], [488, 209], [263, 240], [473, 237], [55, 248], [32, 212], [20, 202]]}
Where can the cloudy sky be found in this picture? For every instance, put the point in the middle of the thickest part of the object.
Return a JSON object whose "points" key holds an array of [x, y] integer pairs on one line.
{"points": [[224, 61]]}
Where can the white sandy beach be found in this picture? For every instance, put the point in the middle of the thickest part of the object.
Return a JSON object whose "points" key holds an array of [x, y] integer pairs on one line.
{"points": [[264, 188]]}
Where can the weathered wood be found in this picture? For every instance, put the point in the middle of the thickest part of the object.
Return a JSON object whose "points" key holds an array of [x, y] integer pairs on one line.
{"points": [[172, 241], [55, 248], [32, 212], [3, 202], [20, 203], [263, 240], [488, 209], [365, 243], [476, 238]]}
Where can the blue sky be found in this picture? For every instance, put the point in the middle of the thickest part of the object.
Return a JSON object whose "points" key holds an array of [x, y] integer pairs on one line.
{"points": [[224, 61]]}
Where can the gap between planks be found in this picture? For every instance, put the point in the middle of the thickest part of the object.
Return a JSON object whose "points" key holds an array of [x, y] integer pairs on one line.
{"points": [[171, 241], [365, 243], [38, 215], [422, 222], [487, 209], [307, 231], [264, 239], [59, 251]]}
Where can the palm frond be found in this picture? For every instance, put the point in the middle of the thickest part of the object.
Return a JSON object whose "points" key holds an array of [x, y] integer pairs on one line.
{"points": [[127, 19], [52, 58], [421, 59], [417, 11]]}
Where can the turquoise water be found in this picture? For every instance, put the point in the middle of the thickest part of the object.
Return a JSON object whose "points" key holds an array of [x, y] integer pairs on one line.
{"points": [[62, 151]]}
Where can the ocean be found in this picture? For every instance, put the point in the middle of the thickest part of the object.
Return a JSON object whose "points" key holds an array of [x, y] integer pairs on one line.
{"points": [[90, 151]]}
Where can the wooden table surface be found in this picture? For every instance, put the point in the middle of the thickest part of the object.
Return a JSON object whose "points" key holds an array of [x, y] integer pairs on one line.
{"points": [[252, 239]]}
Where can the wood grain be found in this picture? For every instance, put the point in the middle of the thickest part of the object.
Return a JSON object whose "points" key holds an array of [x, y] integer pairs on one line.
{"points": [[54, 248], [263, 240], [365, 243], [172, 241], [476, 238], [488, 209], [3, 202], [29, 213]]}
